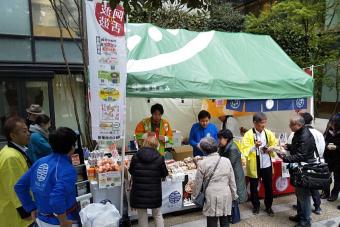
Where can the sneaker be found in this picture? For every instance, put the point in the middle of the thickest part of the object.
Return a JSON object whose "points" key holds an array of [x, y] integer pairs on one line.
{"points": [[256, 210], [294, 218], [270, 212], [295, 207], [332, 198], [317, 211]]}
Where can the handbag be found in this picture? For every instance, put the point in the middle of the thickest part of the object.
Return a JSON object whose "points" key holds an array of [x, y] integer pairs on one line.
{"points": [[200, 198], [235, 213], [311, 175]]}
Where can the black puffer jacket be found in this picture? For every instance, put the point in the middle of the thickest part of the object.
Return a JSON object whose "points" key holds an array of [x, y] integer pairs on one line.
{"points": [[147, 169], [302, 148]]}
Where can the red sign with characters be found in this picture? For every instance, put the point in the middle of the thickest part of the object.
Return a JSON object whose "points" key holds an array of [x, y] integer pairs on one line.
{"points": [[112, 21]]}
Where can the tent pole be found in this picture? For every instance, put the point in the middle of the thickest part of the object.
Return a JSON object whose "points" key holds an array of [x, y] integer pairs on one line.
{"points": [[124, 142], [312, 98]]}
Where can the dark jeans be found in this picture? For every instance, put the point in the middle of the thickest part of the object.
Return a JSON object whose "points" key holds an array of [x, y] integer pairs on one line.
{"points": [[303, 205], [212, 221], [316, 198], [266, 176]]}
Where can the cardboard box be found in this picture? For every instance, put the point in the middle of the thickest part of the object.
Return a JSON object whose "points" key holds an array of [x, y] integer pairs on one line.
{"points": [[182, 152]]}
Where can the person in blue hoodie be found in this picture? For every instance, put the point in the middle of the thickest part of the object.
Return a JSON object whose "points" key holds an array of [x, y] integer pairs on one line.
{"points": [[200, 130], [52, 182], [39, 146]]}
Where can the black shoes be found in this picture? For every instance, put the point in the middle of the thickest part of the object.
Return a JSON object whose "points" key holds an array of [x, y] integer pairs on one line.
{"points": [[324, 195], [302, 225], [297, 219], [332, 198], [294, 218], [270, 212], [256, 210]]}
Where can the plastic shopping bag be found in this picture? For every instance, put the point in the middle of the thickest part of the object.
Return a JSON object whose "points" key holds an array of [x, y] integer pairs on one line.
{"points": [[100, 215]]}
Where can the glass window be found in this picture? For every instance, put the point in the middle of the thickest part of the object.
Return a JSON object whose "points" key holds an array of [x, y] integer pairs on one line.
{"points": [[45, 21], [14, 17], [50, 51], [9, 102], [15, 49], [37, 93], [63, 104]]}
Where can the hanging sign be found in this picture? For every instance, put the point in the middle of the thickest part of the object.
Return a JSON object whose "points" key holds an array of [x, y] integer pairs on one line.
{"points": [[107, 69]]}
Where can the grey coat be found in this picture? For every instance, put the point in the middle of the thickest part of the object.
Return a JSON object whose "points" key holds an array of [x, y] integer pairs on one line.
{"points": [[232, 152], [221, 190]]}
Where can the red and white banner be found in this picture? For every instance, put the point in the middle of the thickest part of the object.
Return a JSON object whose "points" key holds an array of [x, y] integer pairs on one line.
{"points": [[107, 69]]}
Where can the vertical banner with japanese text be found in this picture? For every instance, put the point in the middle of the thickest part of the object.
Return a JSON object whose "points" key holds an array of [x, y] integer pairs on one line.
{"points": [[107, 69]]}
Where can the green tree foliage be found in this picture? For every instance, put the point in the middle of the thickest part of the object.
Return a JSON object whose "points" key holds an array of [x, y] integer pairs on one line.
{"points": [[219, 17], [299, 28], [171, 17], [224, 18]]}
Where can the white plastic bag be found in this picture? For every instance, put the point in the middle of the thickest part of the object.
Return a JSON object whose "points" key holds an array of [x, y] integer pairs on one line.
{"points": [[100, 215]]}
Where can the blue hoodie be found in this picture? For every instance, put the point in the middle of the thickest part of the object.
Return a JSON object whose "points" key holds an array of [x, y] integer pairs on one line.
{"points": [[197, 133], [52, 181]]}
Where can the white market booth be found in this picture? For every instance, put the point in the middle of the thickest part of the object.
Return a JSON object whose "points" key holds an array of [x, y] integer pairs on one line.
{"points": [[168, 66], [179, 68]]}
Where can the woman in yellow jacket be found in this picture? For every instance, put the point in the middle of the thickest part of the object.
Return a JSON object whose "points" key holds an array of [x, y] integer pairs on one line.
{"points": [[256, 146], [13, 164]]}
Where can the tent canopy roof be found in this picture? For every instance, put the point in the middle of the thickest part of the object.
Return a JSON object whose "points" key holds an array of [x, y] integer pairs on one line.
{"points": [[168, 63]]}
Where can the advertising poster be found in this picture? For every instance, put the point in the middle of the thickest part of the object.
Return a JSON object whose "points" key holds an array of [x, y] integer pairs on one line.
{"points": [[107, 69]]}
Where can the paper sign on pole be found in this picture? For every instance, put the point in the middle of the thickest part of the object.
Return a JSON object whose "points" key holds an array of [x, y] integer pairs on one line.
{"points": [[107, 69]]}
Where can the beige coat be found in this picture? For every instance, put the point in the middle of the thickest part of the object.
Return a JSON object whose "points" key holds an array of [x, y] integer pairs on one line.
{"points": [[221, 190]]}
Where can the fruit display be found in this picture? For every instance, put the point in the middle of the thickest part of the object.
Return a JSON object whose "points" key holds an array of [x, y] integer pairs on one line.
{"points": [[106, 165]]}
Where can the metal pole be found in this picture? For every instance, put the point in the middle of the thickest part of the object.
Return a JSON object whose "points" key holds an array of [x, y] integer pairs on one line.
{"points": [[312, 98], [124, 142]]}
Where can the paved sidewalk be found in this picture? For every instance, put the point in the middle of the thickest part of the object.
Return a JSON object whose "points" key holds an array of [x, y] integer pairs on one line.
{"points": [[282, 207]]}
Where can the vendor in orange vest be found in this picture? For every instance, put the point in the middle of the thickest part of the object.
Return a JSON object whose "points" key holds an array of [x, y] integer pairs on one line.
{"points": [[155, 124]]}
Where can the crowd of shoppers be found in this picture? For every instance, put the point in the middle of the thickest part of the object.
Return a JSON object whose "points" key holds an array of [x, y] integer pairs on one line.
{"points": [[38, 179]]}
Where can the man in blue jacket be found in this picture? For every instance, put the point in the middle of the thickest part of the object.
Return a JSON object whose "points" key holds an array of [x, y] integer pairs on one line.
{"points": [[200, 130], [52, 181]]}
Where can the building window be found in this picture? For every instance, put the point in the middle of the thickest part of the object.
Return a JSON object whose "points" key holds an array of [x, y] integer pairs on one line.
{"points": [[14, 17], [45, 21], [63, 101], [50, 51], [15, 49]]}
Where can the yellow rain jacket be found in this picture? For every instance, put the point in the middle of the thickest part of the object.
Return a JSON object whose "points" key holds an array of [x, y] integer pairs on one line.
{"points": [[12, 166], [248, 143], [145, 126]]}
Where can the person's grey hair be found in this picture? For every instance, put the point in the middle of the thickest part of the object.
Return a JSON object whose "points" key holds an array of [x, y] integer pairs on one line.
{"points": [[298, 119], [208, 145], [259, 117]]}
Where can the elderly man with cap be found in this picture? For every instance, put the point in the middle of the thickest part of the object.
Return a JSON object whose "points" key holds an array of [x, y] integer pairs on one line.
{"points": [[32, 114]]}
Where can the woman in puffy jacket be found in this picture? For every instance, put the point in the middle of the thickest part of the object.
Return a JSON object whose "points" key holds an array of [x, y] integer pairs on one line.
{"points": [[147, 169]]}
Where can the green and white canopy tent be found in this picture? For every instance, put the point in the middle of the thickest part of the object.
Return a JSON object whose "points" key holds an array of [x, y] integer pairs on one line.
{"points": [[168, 63]]}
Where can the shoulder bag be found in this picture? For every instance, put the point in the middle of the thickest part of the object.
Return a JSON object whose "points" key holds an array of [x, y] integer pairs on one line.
{"points": [[200, 199]]}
